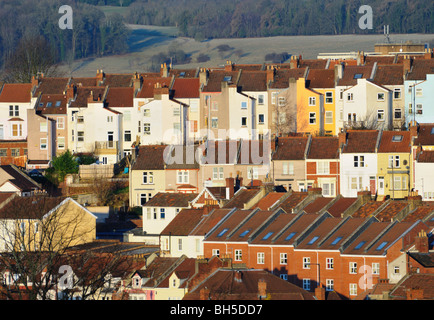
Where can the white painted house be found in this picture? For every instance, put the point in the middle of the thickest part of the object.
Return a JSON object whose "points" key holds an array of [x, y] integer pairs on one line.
{"points": [[424, 174], [358, 161], [15, 100], [93, 127], [160, 211]]}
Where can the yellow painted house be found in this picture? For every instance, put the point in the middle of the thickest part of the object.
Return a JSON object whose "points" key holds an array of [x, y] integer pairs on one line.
{"points": [[323, 81], [316, 102], [310, 109], [44, 223], [394, 164]]}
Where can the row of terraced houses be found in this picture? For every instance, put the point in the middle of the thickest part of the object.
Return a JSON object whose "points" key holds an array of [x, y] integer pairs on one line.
{"points": [[316, 171]]}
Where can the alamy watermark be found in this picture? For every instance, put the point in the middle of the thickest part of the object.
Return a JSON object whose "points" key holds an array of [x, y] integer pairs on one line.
{"points": [[66, 21], [366, 21]]}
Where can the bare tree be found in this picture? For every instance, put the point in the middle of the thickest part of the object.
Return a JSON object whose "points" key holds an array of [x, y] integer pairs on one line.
{"points": [[36, 237], [32, 57], [285, 112]]}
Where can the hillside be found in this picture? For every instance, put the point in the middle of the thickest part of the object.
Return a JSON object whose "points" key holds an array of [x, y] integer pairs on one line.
{"points": [[147, 41]]}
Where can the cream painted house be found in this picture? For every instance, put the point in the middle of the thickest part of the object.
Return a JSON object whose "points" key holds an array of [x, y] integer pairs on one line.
{"points": [[368, 104]]}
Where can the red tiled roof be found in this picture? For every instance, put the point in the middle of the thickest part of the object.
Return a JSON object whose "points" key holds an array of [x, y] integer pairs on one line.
{"points": [[209, 221], [387, 144], [228, 224], [421, 212], [389, 75], [313, 63], [150, 157], [316, 205], [253, 81], [186, 88], [320, 78], [324, 148], [242, 284], [16, 92], [391, 210], [171, 199], [426, 156], [290, 148], [52, 104], [29, 207], [249, 226], [425, 135], [349, 73], [420, 68], [85, 81], [282, 76], [184, 222], [121, 97], [413, 281], [215, 79], [241, 197], [148, 85], [269, 200], [84, 93], [51, 85], [292, 201], [367, 209], [361, 141], [118, 80], [340, 206]]}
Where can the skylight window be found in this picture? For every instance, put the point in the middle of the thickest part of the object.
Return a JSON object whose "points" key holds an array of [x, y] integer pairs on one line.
{"points": [[48, 104], [222, 232], [58, 103], [290, 236], [336, 240], [432, 130], [358, 76], [267, 235], [182, 74], [312, 241], [397, 138], [361, 243], [227, 78], [244, 233], [382, 245]]}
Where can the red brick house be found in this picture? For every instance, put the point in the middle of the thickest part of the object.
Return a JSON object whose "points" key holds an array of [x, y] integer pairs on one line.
{"points": [[322, 165]]}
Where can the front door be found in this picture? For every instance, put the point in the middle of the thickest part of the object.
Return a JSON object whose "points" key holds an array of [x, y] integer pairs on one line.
{"points": [[380, 185]]}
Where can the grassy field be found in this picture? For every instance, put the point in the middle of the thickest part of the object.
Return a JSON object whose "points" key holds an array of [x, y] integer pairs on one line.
{"points": [[146, 41]]}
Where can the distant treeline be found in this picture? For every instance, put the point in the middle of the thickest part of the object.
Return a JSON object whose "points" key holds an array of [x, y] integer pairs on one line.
{"points": [[92, 35], [202, 19]]}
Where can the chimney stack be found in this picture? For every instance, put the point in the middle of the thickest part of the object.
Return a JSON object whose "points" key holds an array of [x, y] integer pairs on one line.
{"points": [[320, 293], [421, 242], [238, 276], [229, 66], [414, 294], [364, 195], [204, 294], [271, 71], [408, 61], [230, 184], [293, 63], [164, 71], [262, 289]]}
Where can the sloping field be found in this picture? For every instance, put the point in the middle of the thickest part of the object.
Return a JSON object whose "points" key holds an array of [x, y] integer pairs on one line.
{"points": [[146, 41]]}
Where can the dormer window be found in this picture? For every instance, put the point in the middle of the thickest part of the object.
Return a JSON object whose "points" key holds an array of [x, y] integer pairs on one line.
{"points": [[397, 138]]}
